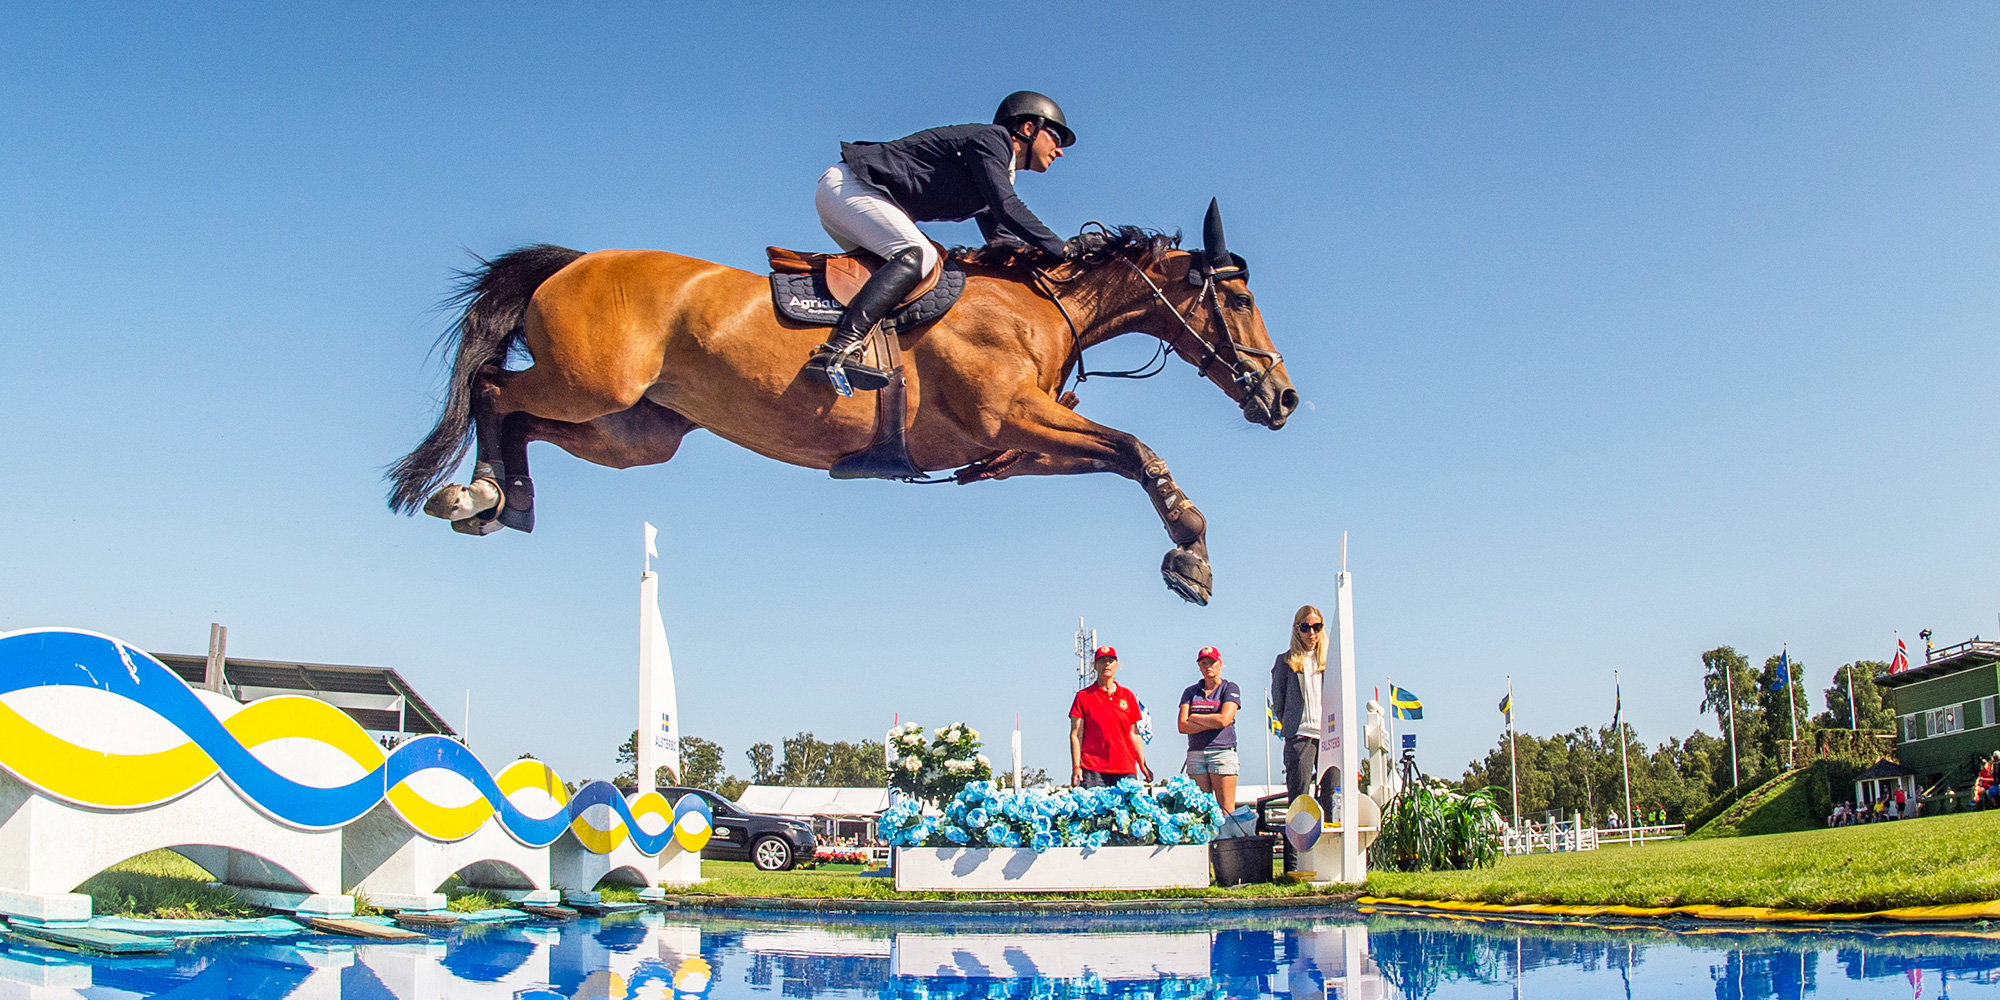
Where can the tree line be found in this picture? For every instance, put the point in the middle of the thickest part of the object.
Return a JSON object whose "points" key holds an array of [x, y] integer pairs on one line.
{"points": [[1579, 771], [803, 760]]}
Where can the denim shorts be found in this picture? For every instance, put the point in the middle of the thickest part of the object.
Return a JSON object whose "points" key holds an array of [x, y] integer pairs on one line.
{"points": [[1212, 761]]}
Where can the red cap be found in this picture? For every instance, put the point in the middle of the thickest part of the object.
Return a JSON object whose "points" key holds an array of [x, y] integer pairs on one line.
{"points": [[1209, 653], [1104, 653]]}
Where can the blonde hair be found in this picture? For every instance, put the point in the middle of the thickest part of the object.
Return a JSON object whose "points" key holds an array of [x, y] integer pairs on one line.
{"points": [[1296, 656]]}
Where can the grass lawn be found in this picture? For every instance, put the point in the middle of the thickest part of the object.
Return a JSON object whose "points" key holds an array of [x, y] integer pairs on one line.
{"points": [[740, 878], [161, 884], [1942, 859]]}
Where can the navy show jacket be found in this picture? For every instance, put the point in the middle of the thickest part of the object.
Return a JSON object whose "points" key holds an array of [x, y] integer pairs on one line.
{"points": [[952, 173]]}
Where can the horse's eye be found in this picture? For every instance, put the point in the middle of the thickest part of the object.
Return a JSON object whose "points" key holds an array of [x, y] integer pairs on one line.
{"points": [[1240, 303]]}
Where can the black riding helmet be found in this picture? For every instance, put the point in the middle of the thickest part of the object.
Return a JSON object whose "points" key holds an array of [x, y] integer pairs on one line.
{"points": [[1028, 104]]}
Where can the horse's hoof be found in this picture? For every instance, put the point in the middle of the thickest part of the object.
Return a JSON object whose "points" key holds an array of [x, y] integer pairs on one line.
{"points": [[518, 511], [454, 502], [1187, 575], [476, 525]]}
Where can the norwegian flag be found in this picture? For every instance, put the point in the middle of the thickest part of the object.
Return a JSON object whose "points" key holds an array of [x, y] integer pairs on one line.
{"points": [[1902, 660]]}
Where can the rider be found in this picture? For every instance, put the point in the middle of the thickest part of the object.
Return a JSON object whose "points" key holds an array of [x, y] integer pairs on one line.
{"points": [[878, 191]]}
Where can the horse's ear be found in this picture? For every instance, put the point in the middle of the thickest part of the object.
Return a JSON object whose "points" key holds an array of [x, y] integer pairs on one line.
{"points": [[1212, 244]]}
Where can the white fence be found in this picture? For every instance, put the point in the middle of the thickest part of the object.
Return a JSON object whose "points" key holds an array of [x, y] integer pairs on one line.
{"points": [[1575, 835]]}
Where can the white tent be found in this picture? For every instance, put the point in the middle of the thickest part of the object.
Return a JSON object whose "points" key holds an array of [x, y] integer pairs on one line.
{"points": [[786, 800], [836, 812]]}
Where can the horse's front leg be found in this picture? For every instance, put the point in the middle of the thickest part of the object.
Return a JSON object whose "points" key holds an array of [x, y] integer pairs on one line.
{"points": [[1055, 441]]}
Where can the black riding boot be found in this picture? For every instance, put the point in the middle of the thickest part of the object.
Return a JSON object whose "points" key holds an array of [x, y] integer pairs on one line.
{"points": [[839, 359]]}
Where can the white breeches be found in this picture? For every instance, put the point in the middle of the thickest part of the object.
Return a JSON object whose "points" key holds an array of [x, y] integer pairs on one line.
{"points": [[858, 214]]}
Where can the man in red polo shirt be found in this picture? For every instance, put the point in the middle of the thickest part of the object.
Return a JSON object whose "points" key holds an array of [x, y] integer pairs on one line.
{"points": [[1104, 743]]}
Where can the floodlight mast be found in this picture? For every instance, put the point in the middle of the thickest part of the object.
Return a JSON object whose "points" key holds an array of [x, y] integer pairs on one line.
{"points": [[1086, 640]]}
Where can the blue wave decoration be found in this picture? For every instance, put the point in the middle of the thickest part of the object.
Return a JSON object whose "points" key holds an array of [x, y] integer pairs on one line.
{"points": [[76, 658]]}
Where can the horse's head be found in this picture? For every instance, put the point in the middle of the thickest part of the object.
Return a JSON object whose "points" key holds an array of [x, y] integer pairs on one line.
{"points": [[1222, 332]]}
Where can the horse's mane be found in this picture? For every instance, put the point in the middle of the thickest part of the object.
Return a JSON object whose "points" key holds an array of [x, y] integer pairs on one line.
{"points": [[1095, 248]]}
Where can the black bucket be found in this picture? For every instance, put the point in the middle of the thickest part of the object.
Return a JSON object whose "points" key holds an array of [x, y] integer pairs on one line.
{"points": [[1242, 860]]}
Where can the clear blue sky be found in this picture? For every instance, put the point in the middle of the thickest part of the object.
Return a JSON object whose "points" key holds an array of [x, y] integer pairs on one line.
{"points": [[1626, 331]]}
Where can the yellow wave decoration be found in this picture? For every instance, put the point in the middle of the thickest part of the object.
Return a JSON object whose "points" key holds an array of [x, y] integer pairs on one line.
{"points": [[126, 781], [104, 780]]}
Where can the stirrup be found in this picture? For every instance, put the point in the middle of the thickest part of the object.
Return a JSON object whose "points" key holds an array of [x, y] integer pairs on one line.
{"points": [[845, 371]]}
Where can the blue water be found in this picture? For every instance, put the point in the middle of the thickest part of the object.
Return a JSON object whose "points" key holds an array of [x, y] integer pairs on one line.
{"points": [[1308, 956]]}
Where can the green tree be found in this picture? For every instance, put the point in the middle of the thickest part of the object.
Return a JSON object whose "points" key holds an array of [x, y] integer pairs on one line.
{"points": [[1031, 777], [1729, 688], [1872, 710], [763, 764], [701, 764], [1673, 781], [815, 763], [1781, 701]]}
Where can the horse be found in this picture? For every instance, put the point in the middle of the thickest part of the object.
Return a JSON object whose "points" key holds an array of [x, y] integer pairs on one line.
{"points": [[633, 349]]}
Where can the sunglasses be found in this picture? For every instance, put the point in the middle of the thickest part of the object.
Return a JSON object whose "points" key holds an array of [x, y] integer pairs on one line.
{"points": [[1311, 626]]}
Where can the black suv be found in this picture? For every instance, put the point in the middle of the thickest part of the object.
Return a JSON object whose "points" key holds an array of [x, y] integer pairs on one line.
{"points": [[772, 843]]}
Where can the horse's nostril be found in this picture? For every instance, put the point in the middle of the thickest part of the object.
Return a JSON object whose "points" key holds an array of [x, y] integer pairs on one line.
{"points": [[1288, 401]]}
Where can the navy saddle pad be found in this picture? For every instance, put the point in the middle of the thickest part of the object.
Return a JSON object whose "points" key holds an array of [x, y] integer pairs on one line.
{"points": [[804, 297]]}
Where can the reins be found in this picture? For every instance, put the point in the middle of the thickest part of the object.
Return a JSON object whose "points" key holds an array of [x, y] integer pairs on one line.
{"points": [[1240, 373], [1046, 284]]}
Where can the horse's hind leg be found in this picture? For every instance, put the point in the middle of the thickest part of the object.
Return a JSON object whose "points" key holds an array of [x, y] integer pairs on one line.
{"points": [[472, 508], [646, 434]]}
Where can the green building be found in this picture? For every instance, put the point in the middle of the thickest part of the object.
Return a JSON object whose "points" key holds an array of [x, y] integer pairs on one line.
{"points": [[1945, 718]]}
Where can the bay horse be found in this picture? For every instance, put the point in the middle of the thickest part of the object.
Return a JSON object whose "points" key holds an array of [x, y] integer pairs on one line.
{"points": [[633, 349]]}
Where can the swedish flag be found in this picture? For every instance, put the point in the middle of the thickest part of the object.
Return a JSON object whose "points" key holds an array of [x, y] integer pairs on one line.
{"points": [[1407, 705], [1270, 717]]}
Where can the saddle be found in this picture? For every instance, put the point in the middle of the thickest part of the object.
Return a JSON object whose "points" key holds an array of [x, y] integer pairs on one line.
{"points": [[816, 287]]}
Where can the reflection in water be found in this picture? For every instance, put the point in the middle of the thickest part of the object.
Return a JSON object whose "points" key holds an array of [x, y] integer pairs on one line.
{"points": [[1301, 956]]}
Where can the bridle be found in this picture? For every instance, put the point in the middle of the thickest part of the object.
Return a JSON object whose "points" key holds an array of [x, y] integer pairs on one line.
{"points": [[1222, 350], [1248, 378]]}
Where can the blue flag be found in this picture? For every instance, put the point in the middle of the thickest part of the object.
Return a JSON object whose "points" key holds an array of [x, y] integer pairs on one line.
{"points": [[1784, 670], [1407, 705]]}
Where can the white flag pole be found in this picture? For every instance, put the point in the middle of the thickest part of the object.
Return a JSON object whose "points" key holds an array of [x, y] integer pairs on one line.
{"points": [[1513, 775], [1622, 762], [1017, 753]]}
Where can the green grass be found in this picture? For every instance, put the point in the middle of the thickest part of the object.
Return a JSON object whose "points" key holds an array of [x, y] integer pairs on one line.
{"points": [[161, 884], [458, 899], [1779, 806], [740, 878], [1942, 859]]}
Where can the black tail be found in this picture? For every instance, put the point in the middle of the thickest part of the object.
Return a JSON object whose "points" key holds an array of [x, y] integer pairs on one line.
{"points": [[495, 296]]}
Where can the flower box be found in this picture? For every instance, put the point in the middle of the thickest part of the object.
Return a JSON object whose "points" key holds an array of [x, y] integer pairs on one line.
{"points": [[1058, 869]]}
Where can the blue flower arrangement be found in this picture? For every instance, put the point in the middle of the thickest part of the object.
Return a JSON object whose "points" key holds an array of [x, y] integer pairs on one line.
{"points": [[1127, 814]]}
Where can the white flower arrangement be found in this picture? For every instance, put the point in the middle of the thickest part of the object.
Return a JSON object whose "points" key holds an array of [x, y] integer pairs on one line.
{"points": [[935, 769]]}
